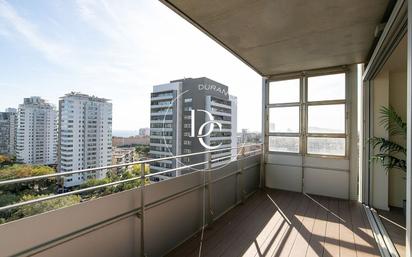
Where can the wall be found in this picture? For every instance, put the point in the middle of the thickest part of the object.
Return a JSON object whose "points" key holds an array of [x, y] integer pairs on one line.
{"points": [[397, 99], [379, 176]]}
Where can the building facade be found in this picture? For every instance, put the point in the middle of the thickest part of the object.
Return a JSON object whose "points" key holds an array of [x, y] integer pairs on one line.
{"points": [[36, 132], [144, 132], [85, 136], [179, 110], [122, 156], [8, 129]]}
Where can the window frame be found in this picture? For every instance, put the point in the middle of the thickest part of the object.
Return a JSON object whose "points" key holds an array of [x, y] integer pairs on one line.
{"points": [[281, 105], [304, 104]]}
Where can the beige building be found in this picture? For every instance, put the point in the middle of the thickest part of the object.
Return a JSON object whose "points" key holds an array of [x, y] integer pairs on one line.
{"points": [[130, 141]]}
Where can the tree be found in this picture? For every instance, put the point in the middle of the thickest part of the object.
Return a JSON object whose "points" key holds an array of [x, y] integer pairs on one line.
{"points": [[41, 186], [6, 160], [97, 192], [14, 193], [44, 206], [142, 149]]}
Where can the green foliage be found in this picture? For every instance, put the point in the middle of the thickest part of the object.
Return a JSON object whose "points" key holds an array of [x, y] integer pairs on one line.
{"points": [[44, 206], [16, 171], [391, 155], [8, 198], [132, 172], [391, 121], [142, 149], [97, 192], [5, 160], [384, 145], [23, 170], [27, 191], [19, 192], [95, 182]]}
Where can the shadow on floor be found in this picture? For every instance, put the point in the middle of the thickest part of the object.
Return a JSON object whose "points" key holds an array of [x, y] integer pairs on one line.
{"points": [[283, 223]]}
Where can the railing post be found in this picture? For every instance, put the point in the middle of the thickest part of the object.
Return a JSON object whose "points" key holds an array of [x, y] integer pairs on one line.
{"points": [[209, 189], [262, 167], [142, 208], [242, 169]]}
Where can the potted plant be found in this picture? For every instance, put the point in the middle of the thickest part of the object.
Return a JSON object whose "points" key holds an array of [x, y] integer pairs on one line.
{"points": [[391, 155]]}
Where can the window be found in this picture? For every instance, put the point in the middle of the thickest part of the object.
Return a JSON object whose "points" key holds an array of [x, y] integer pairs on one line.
{"points": [[188, 100], [284, 116], [327, 87], [315, 120], [326, 146], [327, 115], [284, 144], [284, 119], [326, 118], [284, 91]]}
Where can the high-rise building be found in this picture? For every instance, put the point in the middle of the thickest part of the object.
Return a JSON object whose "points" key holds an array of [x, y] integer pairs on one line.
{"points": [[36, 132], [85, 136], [144, 132], [179, 110], [8, 129]]}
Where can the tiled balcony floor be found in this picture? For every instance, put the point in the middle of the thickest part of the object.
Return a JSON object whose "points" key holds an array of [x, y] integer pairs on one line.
{"points": [[282, 223]]}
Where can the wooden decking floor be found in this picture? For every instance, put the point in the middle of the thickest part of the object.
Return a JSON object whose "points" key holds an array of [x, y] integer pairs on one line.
{"points": [[281, 223]]}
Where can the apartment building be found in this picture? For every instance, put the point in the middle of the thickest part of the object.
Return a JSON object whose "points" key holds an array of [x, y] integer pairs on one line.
{"points": [[36, 132], [122, 156], [180, 109], [8, 128], [85, 136], [144, 132]]}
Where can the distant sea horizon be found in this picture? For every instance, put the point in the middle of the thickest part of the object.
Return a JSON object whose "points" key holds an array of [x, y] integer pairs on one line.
{"points": [[125, 133]]}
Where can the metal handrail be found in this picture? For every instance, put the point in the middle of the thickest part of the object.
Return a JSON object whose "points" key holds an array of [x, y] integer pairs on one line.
{"points": [[12, 206], [59, 174]]}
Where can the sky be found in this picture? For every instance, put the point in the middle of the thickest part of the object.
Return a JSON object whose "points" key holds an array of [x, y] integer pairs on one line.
{"points": [[115, 49]]}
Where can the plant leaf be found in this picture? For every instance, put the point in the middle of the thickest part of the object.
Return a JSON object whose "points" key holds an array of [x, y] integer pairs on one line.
{"points": [[392, 122], [386, 145]]}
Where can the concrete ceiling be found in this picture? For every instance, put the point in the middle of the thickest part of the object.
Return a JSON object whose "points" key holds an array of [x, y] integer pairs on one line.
{"points": [[281, 36]]}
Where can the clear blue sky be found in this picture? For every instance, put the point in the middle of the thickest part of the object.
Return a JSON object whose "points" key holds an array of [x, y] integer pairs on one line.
{"points": [[115, 49]]}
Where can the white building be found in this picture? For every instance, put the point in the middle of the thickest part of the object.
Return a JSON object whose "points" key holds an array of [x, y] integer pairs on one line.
{"points": [[8, 129], [85, 136], [36, 132]]}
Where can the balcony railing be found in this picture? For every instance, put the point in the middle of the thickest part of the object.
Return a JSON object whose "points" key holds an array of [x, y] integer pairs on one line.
{"points": [[221, 188]]}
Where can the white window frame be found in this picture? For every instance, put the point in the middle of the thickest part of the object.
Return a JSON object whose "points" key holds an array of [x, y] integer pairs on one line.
{"points": [[303, 104]]}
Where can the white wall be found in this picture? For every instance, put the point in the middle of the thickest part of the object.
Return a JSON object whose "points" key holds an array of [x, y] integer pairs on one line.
{"points": [[379, 176], [397, 99]]}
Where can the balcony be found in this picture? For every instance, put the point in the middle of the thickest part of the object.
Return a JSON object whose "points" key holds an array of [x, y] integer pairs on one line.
{"points": [[239, 218], [311, 188], [153, 218]]}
